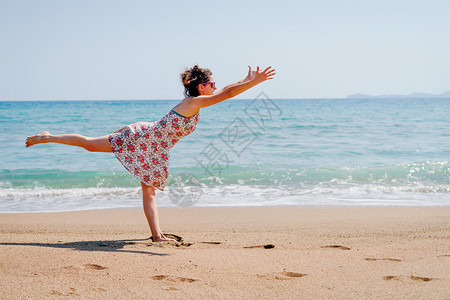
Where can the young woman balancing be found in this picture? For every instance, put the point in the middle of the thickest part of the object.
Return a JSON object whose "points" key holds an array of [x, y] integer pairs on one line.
{"points": [[144, 148]]}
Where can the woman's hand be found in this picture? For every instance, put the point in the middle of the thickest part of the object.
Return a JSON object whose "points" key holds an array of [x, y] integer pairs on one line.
{"points": [[259, 75], [264, 75]]}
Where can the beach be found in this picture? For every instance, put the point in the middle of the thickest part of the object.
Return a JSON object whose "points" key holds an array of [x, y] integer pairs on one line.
{"points": [[285, 252], [331, 181]]}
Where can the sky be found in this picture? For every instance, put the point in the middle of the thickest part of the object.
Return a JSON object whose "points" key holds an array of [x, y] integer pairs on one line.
{"points": [[135, 50]]}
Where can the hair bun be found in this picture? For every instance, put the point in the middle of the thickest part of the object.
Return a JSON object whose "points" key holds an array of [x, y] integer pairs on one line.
{"points": [[192, 77]]}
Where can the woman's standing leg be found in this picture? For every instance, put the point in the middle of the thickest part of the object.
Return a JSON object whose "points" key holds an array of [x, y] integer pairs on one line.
{"points": [[151, 212], [99, 144]]}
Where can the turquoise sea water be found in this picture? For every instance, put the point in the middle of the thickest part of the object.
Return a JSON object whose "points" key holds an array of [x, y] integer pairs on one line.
{"points": [[258, 152]]}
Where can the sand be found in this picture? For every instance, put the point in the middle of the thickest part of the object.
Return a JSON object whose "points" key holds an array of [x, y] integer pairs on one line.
{"points": [[228, 253]]}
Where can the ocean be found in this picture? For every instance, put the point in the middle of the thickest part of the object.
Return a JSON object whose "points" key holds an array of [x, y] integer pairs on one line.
{"points": [[258, 152]]}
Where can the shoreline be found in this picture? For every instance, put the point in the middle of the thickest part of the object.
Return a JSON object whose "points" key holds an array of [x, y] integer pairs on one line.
{"points": [[234, 206], [242, 252]]}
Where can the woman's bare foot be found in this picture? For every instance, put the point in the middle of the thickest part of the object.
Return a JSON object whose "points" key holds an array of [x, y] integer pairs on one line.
{"points": [[37, 139], [162, 238]]}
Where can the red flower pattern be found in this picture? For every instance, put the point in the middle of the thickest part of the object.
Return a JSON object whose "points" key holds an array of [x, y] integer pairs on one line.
{"points": [[144, 148]]}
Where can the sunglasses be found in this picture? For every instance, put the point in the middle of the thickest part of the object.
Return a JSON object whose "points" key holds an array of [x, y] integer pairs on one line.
{"points": [[213, 84]]}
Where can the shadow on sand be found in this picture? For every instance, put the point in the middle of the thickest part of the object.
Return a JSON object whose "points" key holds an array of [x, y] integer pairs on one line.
{"points": [[104, 246]]}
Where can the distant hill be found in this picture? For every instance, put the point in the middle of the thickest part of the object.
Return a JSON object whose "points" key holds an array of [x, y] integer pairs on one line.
{"points": [[413, 95]]}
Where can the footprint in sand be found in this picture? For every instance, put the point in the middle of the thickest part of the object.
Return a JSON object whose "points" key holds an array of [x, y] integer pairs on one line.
{"points": [[293, 274], [389, 259], [173, 278], [337, 247], [71, 293], [95, 267], [268, 246], [283, 275], [412, 277]]}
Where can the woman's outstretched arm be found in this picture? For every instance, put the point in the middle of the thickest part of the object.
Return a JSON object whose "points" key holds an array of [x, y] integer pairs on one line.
{"points": [[190, 106], [253, 78]]}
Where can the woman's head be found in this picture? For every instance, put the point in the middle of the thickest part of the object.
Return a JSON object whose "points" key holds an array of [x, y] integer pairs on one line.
{"points": [[195, 79]]}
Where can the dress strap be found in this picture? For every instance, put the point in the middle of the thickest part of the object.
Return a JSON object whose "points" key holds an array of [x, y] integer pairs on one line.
{"points": [[178, 114], [182, 115]]}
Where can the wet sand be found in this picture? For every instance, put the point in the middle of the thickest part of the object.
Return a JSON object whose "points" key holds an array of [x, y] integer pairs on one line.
{"points": [[270, 252]]}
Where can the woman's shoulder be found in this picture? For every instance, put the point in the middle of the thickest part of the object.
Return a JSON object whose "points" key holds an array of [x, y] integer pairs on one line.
{"points": [[187, 107]]}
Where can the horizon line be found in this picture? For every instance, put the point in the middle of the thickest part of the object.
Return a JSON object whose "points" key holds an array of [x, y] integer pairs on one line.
{"points": [[364, 97]]}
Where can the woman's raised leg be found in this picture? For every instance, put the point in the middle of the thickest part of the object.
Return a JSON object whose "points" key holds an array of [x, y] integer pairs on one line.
{"points": [[99, 144], [151, 212]]}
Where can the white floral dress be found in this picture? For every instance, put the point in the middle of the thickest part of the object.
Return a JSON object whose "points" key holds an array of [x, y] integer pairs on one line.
{"points": [[144, 148]]}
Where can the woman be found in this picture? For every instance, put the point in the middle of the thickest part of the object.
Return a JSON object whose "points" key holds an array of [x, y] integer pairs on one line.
{"points": [[144, 148]]}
